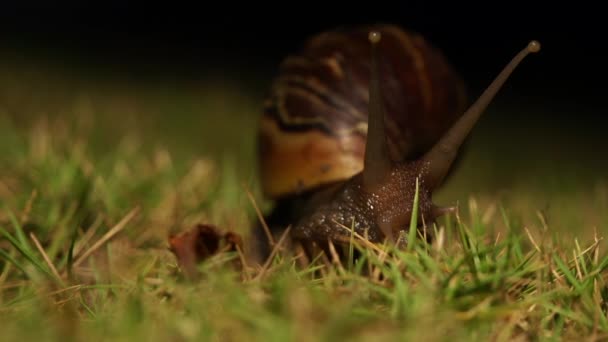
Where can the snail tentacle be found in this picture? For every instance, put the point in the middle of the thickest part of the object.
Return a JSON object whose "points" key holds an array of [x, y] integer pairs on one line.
{"points": [[377, 163], [442, 155]]}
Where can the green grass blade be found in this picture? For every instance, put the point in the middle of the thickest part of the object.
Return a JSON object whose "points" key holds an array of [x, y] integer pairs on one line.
{"points": [[23, 241], [411, 239], [13, 261], [70, 258], [569, 275], [351, 246], [26, 253]]}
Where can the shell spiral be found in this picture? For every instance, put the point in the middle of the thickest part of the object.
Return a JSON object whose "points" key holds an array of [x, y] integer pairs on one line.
{"points": [[314, 125]]}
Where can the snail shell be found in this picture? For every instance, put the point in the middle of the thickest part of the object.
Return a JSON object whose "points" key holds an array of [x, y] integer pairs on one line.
{"points": [[314, 126]]}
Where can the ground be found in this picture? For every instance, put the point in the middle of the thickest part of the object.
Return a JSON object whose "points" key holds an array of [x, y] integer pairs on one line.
{"points": [[97, 175]]}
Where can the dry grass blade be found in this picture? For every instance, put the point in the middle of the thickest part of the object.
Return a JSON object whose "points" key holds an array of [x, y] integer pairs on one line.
{"points": [[275, 250], [593, 246], [440, 241], [532, 239], [377, 270], [115, 230], [363, 240], [577, 266], [543, 220], [497, 239], [12, 285], [65, 289], [4, 274], [334, 256], [260, 217], [596, 254], [86, 237], [45, 256], [28, 206], [300, 256], [246, 272]]}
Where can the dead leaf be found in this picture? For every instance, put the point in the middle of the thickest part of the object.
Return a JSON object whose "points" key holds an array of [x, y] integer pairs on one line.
{"points": [[200, 243]]}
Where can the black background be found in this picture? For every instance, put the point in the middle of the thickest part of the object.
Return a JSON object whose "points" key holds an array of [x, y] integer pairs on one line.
{"points": [[187, 41]]}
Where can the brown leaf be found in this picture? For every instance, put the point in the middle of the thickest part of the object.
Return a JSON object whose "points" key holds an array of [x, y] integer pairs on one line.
{"points": [[200, 243]]}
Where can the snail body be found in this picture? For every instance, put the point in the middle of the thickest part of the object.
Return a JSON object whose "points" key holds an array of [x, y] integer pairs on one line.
{"points": [[354, 124]]}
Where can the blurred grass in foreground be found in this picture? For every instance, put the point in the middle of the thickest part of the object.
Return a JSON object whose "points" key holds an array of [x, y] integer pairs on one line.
{"points": [[83, 160]]}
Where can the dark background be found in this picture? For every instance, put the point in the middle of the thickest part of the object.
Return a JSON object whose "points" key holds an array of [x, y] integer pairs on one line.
{"points": [[475, 36], [246, 41]]}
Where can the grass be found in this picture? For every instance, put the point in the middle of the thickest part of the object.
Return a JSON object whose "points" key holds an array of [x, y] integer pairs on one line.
{"points": [[90, 193]]}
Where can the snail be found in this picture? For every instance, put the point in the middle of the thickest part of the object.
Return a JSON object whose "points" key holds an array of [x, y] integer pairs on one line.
{"points": [[357, 124]]}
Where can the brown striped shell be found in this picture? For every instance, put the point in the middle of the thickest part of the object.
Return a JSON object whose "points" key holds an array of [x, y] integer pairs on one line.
{"points": [[314, 125]]}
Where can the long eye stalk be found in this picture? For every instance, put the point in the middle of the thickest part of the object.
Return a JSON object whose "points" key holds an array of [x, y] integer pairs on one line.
{"points": [[442, 155], [377, 163]]}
